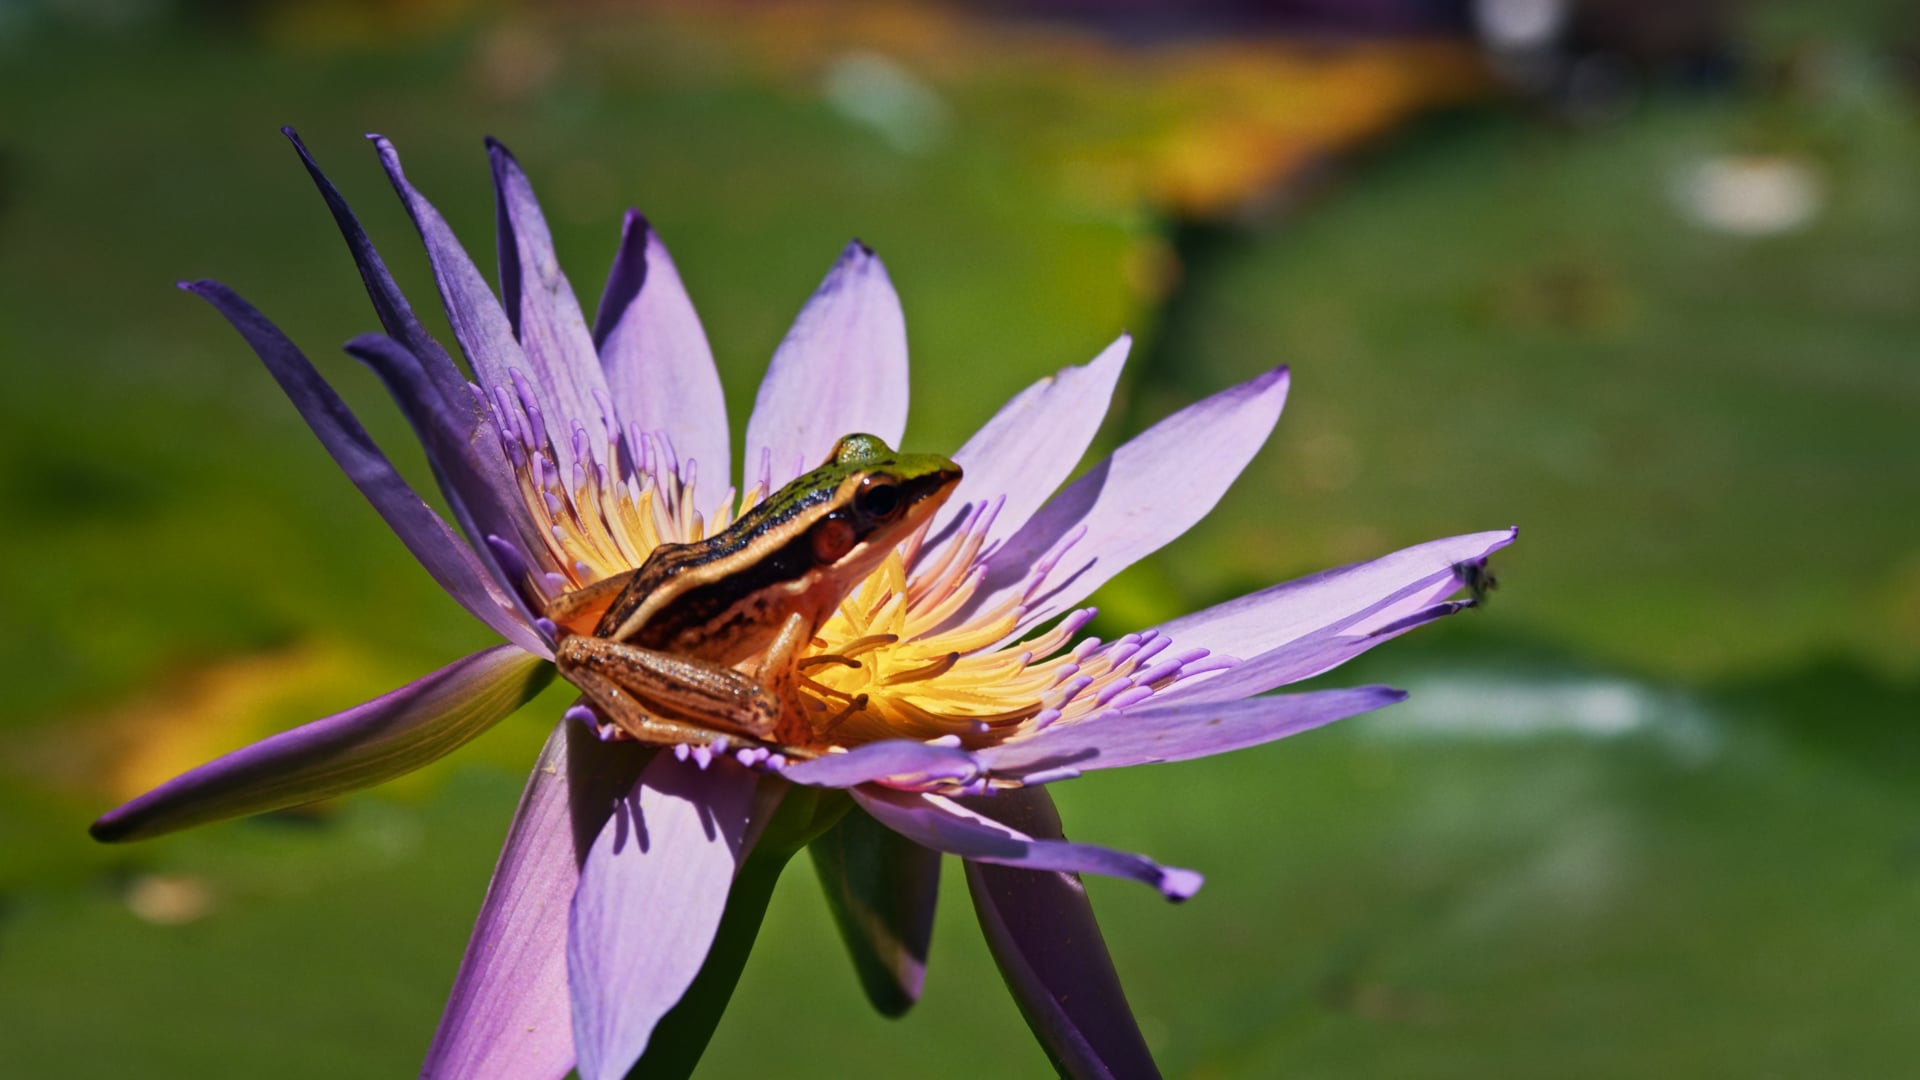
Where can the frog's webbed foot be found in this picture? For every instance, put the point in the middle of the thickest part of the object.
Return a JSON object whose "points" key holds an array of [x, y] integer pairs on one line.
{"points": [[662, 698]]}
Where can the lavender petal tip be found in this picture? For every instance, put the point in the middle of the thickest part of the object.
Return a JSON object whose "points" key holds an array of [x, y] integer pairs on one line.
{"points": [[1179, 885]]}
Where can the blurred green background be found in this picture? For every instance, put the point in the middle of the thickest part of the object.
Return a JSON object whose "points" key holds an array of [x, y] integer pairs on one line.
{"points": [[1652, 296]]}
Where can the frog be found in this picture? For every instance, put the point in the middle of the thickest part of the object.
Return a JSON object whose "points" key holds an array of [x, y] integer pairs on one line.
{"points": [[659, 650]]}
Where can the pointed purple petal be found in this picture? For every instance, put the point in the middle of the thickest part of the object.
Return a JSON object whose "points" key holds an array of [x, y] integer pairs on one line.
{"points": [[944, 825], [1146, 494], [437, 369], [625, 280], [657, 360], [421, 375], [1032, 444], [1299, 629], [1296, 660], [473, 472], [1042, 933], [452, 454], [1145, 733], [841, 369], [451, 562], [1358, 599], [482, 327], [541, 306], [478, 321], [903, 759], [510, 1014], [393, 734], [882, 889], [648, 904], [458, 434]]}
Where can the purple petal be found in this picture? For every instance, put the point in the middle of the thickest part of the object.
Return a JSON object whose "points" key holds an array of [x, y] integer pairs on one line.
{"points": [[625, 280], [541, 306], [944, 825], [903, 759], [1145, 734], [882, 889], [384, 738], [473, 472], [482, 327], [458, 435], [1301, 628], [510, 1014], [1296, 660], [459, 450], [1147, 493], [451, 562], [436, 369], [648, 904], [657, 359], [1032, 444], [1358, 599], [841, 369], [478, 321], [1041, 931]]}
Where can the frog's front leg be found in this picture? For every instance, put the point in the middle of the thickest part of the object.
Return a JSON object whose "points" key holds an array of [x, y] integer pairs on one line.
{"points": [[660, 698], [777, 674], [581, 609]]}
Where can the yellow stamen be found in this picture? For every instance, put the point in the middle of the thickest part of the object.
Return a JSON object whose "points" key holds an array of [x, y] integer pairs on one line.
{"points": [[902, 655]]}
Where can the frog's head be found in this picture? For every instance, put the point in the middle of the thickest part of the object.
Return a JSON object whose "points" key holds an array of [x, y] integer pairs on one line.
{"points": [[878, 498]]}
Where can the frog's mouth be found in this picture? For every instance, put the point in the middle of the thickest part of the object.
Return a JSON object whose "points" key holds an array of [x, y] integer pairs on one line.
{"points": [[940, 483], [926, 494]]}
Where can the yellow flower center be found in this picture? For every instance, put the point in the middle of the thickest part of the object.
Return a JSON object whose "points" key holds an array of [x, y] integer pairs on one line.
{"points": [[902, 657]]}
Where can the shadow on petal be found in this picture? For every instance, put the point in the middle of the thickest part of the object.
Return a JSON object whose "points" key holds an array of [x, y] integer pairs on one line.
{"points": [[644, 915]]}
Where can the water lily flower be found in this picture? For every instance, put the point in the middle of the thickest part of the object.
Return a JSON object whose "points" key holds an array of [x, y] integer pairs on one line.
{"points": [[945, 692]]}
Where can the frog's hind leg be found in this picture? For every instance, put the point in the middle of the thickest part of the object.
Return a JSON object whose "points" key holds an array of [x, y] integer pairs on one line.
{"points": [[661, 698], [625, 712]]}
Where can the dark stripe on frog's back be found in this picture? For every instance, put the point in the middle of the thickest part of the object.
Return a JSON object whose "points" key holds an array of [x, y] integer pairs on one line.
{"points": [[765, 522], [730, 618]]}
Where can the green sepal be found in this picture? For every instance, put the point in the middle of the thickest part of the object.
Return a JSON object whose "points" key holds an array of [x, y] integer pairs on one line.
{"points": [[882, 889]]}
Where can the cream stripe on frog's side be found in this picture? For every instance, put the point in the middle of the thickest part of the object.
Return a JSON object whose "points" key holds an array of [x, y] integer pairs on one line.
{"points": [[664, 645]]}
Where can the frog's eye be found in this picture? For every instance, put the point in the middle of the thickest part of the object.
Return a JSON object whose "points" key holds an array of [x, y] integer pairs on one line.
{"points": [[878, 499], [832, 538]]}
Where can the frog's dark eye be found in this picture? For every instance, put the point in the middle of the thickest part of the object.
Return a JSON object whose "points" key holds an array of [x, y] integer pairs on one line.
{"points": [[832, 538], [878, 499]]}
